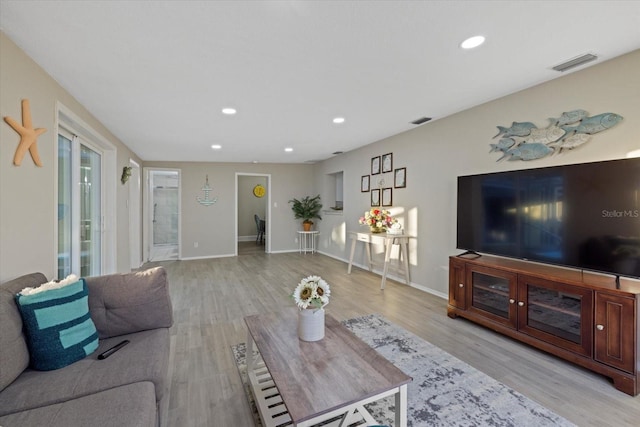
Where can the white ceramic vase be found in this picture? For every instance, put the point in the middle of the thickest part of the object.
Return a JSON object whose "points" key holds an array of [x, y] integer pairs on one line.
{"points": [[311, 324]]}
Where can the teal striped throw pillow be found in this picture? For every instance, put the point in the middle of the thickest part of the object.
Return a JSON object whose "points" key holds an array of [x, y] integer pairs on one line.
{"points": [[57, 323]]}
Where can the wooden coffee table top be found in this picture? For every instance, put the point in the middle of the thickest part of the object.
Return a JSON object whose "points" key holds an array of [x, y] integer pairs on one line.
{"points": [[314, 378]]}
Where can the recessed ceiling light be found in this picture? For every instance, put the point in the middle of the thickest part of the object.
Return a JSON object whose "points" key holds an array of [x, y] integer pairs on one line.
{"points": [[288, 149], [472, 42], [338, 120], [228, 110], [216, 146]]}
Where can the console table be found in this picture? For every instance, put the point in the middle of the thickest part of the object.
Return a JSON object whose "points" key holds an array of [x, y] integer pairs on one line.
{"points": [[307, 241], [388, 240]]}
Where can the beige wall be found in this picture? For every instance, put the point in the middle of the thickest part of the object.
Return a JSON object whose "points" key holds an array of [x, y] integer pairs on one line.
{"points": [[28, 192], [213, 227], [437, 152]]}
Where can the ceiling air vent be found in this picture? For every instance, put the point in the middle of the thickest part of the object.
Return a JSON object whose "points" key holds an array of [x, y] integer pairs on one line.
{"points": [[337, 152], [421, 120], [575, 62]]}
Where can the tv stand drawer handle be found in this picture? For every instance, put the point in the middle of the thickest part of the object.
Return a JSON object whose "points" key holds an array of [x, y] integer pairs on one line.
{"points": [[511, 301], [461, 285], [600, 327], [521, 303]]}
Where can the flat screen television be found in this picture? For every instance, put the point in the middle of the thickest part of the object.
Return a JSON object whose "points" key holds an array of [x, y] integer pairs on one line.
{"points": [[585, 216]]}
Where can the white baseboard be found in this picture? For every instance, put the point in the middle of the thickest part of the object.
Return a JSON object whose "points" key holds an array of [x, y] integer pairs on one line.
{"points": [[206, 257], [390, 276]]}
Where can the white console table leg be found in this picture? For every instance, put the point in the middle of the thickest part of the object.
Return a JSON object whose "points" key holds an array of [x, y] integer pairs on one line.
{"points": [[354, 239]]}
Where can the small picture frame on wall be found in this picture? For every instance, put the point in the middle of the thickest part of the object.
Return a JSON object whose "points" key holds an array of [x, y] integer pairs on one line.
{"points": [[375, 165], [387, 196], [364, 184], [387, 163], [400, 178], [375, 198]]}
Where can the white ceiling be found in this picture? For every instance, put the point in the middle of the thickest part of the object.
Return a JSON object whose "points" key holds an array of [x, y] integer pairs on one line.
{"points": [[158, 73]]}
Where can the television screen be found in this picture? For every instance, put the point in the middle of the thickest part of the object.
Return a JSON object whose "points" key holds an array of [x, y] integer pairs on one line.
{"points": [[585, 215]]}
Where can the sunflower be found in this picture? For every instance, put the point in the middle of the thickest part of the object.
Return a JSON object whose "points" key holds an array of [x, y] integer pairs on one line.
{"points": [[322, 290], [303, 294], [311, 291]]}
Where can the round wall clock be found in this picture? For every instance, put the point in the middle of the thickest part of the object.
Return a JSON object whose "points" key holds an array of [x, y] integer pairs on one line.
{"points": [[259, 191]]}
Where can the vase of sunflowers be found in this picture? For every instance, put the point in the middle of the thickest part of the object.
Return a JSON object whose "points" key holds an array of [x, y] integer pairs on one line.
{"points": [[311, 296]]}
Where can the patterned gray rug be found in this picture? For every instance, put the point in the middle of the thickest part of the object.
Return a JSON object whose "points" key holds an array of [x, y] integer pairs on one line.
{"points": [[445, 391]]}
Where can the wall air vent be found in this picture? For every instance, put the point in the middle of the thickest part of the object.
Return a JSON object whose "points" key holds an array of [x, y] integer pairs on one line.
{"points": [[575, 62], [421, 120]]}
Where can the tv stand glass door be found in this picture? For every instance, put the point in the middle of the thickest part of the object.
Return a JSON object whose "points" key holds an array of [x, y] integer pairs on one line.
{"points": [[492, 294], [556, 312]]}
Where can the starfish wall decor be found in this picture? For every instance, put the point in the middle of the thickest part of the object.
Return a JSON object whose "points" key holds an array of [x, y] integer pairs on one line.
{"points": [[28, 136]]}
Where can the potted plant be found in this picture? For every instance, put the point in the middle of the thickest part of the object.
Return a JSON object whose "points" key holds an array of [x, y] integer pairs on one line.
{"points": [[306, 209]]}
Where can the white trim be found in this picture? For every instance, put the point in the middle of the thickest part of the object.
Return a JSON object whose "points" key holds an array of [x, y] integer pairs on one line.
{"points": [[134, 206], [208, 257]]}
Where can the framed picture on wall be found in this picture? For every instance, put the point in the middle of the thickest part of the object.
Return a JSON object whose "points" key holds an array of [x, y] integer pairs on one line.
{"points": [[387, 196], [400, 178], [364, 184], [387, 163], [375, 198], [375, 165]]}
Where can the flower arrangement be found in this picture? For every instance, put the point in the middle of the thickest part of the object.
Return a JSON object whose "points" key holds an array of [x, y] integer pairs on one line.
{"points": [[312, 291], [378, 218]]}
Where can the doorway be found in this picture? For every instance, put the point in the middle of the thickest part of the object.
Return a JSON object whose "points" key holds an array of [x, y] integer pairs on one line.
{"points": [[162, 237], [253, 195]]}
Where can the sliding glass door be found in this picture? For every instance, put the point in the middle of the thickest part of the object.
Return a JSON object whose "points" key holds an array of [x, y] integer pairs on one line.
{"points": [[90, 212], [79, 207]]}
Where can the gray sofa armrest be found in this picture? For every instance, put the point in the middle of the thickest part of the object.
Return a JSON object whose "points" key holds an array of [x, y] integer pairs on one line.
{"points": [[131, 302]]}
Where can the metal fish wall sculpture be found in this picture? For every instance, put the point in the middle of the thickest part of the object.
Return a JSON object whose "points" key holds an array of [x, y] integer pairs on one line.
{"points": [[571, 142], [525, 141], [544, 136], [503, 145], [595, 124], [569, 118], [528, 151], [516, 129]]}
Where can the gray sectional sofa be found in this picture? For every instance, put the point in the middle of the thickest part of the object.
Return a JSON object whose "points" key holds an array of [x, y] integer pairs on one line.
{"points": [[129, 388]]}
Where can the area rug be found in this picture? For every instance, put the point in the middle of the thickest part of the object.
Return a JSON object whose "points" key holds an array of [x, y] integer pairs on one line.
{"points": [[445, 391]]}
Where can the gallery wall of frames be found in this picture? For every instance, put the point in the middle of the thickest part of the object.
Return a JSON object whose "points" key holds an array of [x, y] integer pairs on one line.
{"points": [[382, 180]]}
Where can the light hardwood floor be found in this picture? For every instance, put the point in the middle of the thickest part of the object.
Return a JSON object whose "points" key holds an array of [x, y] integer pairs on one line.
{"points": [[211, 298]]}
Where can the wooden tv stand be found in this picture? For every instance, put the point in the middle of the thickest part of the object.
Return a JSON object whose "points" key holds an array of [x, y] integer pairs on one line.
{"points": [[585, 318]]}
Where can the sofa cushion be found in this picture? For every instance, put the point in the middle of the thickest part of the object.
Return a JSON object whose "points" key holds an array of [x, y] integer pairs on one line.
{"points": [[145, 358], [132, 405], [57, 323], [14, 352], [130, 302]]}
